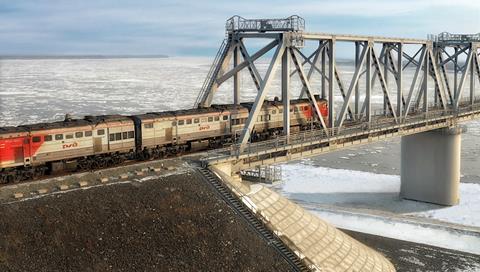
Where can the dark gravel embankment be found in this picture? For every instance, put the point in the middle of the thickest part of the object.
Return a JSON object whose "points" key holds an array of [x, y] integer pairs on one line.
{"points": [[175, 223]]}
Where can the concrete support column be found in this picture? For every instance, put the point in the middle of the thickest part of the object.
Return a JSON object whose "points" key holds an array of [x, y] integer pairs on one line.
{"points": [[430, 166]]}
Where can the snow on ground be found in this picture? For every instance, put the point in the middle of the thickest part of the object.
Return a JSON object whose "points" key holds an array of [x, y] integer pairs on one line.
{"points": [[308, 179], [325, 190]]}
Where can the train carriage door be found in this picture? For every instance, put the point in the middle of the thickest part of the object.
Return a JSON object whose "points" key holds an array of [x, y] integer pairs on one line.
{"points": [[97, 144], [168, 134], [26, 151], [19, 156], [223, 128]]}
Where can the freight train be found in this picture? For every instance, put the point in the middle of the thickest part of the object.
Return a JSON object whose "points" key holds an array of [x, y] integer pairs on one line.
{"points": [[31, 151]]}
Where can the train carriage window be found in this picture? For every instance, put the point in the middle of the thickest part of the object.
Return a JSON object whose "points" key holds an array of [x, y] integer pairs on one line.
{"points": [[59, 137], [112, 137], [225, 117], [131, 135], [210, 119], [36, 139], [125, 135], [203, 120], [48, 138], [150, 125], [189, 121], [100, 132], [196, 120], [291, 109], [280, 111], [181, 122], [217, 118], [78, 134], [69, 136], [88, 134], [295, 109], [118, 136]]}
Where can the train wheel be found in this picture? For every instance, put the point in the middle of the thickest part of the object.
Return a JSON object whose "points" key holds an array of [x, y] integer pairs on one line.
{"points": [[28, 174], [10, 178], [3, 179], [146, 156], [94, 165], [39, 172], [14, 178], [104, 162], [84, 165]]}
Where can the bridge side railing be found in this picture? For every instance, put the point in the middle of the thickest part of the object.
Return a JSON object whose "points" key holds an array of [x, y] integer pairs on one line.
{"points": [[304, 138]]}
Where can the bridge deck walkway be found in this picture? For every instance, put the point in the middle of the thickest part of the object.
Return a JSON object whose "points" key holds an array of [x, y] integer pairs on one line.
{"points": [[316, 141]]}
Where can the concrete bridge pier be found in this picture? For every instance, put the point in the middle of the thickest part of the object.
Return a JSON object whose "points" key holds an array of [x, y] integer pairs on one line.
{"points": [[430, 166]]}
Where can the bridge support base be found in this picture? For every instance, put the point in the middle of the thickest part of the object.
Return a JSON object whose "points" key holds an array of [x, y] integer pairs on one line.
{"points": [[430, 167]]}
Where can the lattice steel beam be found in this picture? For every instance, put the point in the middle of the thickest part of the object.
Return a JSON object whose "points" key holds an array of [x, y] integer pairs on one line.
{"points": [[428, 60], [257, 105]]}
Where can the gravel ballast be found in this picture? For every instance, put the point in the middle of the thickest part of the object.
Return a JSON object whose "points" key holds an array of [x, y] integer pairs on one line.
{"points": [[171, 223]]}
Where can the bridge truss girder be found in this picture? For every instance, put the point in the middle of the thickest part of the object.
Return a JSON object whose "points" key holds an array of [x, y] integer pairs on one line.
{"points": [[371, 64]]}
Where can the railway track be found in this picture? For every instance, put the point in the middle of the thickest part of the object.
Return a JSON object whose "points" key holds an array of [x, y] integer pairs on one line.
{"points": [[255, 223]]}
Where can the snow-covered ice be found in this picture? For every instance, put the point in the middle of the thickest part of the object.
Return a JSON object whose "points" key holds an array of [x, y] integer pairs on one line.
{"points": [[308, 179], [342, 197], [304, 178]]}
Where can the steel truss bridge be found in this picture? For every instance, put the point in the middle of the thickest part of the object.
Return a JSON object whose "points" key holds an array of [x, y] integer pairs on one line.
{"points": [[441, 92]]}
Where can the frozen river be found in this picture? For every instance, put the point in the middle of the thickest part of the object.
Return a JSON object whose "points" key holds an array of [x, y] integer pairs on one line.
{"points": [[364, 177]]}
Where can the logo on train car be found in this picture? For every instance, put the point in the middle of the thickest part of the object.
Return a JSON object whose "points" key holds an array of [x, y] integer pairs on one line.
{"points": [[70, 145], [204, 127]]}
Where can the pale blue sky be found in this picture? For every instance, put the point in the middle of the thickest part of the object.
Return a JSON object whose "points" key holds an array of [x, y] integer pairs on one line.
{"points": [[180, 28]]}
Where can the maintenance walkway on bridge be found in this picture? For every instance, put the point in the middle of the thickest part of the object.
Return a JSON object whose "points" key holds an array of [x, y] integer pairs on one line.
{"points": [[317, 141]]}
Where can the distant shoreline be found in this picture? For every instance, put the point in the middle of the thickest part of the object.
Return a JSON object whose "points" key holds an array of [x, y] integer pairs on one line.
{"points": [[29, 57]]}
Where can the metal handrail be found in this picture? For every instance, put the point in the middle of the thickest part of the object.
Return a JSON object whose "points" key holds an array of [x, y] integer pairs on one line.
{"points": [[207, 82], [379, 121], [239, 24], [450, 37]]}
